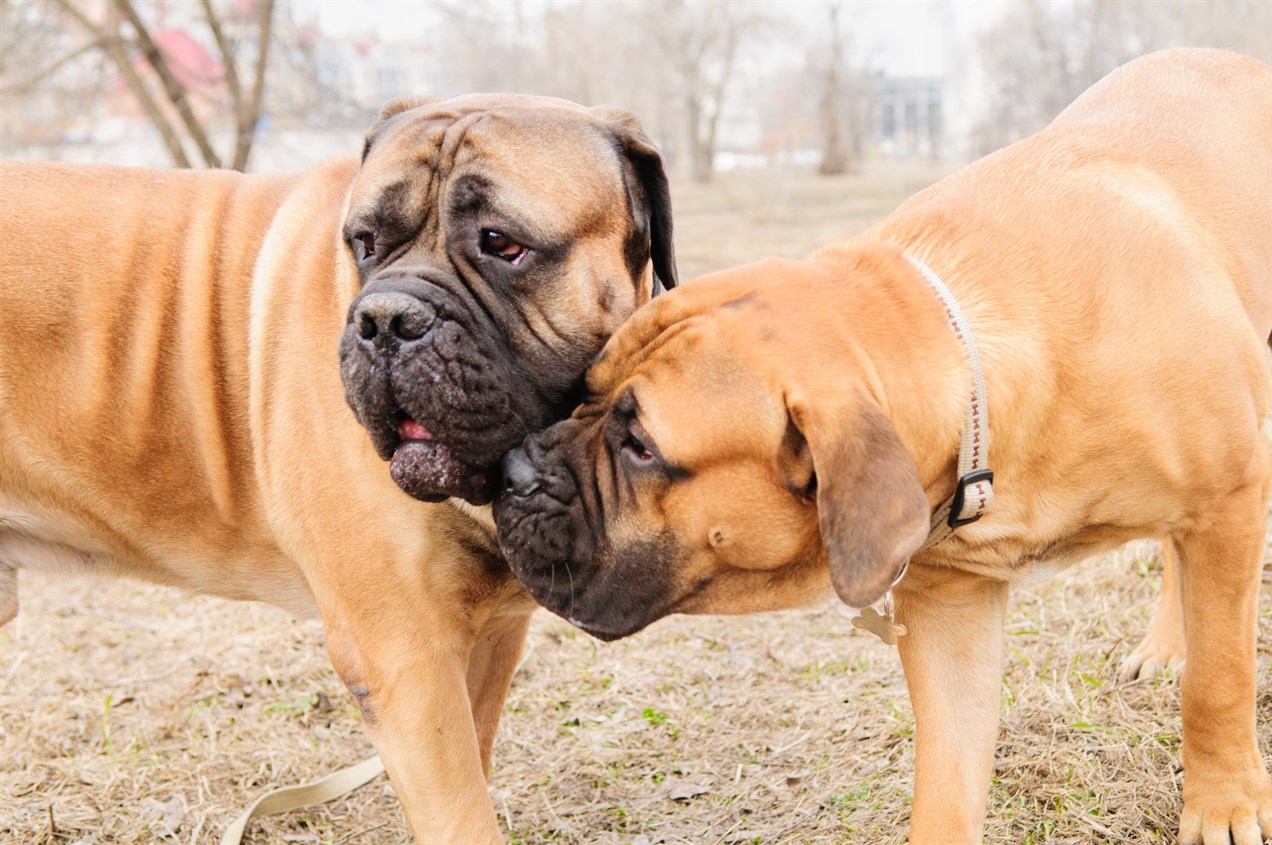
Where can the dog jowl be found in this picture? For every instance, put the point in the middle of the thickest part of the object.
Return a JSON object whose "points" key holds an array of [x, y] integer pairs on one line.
{"points": [[490, 277]]}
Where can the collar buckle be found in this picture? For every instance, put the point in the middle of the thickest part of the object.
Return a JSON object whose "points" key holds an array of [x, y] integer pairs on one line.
{"points": [[960, 500]]}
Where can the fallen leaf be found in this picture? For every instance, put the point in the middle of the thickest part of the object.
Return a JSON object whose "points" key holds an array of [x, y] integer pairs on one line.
{"points": [[684, 790]]}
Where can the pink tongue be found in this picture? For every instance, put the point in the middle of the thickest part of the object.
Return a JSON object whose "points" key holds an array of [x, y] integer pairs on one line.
{"points": [[411, 430]]}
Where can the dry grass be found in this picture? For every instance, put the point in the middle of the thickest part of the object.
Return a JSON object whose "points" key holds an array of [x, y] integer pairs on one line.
{"points": [[133, 714], [752, 214]]}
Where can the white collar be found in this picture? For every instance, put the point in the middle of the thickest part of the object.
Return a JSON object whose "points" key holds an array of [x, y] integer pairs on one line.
{"points": [[974, 492]]}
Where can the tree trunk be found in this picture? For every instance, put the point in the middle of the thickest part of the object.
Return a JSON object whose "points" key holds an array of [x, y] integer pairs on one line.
{"points": [[700, 168], [834, 156], [247, 129], [246, 106]]}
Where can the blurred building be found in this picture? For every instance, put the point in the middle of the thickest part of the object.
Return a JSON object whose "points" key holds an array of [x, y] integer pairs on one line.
{"points": [[358, 75], [904, 117], [881, 117]]}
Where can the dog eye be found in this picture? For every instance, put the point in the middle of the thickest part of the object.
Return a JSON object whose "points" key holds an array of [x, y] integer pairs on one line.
{"points": [[497, 243], [365, 245], [638, 451]]}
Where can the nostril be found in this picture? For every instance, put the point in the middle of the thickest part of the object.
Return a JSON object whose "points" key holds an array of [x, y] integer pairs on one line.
{"points": [[520, 477], [366, 326], [410, 325]]}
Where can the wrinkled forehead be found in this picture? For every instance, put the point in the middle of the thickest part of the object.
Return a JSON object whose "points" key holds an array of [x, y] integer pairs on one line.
{"points": [[689, 366], [626, 355], [726, 312], [543, 159], [539, 155], [705, 407]]}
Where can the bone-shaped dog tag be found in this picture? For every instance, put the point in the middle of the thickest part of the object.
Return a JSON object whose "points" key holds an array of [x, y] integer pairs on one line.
{"points": [[881, 626]]}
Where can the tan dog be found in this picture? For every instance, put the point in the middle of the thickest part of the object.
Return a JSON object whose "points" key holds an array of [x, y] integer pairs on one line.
{"points": [[772, 431], [172, 408]]}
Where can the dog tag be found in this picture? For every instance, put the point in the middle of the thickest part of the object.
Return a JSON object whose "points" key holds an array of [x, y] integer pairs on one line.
{"points": [[881, 626]]}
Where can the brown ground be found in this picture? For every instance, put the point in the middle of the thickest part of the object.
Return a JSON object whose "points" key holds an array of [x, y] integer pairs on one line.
{"points": [[137, 714]]}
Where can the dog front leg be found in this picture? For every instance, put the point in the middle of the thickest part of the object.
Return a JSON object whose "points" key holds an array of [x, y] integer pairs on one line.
{"points": [[406, 664], [1227, 790], [952, 657]]}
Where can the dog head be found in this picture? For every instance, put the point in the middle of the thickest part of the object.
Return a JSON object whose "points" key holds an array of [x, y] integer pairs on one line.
{"points": [[498, 242], [731, 454]]}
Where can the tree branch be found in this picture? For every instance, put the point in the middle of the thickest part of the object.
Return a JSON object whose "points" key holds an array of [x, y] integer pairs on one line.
{"points": [[231, 69], [115, 48], [247, 129], [44, 73], [171, 85]]}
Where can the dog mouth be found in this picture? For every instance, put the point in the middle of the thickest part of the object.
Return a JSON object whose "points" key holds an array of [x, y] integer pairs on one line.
{"points": [[442, 408], [429, 470], [609, 592], [606, 634], [599, 633]]}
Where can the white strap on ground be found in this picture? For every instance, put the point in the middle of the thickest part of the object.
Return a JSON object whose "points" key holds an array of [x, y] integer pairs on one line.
{"points": [[295, 797]]}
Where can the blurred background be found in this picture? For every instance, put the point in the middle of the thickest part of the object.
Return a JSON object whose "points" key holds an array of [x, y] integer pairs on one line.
{"points": [[830, 85], [784, 124]]}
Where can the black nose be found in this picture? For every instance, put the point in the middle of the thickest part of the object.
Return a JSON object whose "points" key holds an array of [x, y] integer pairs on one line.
{"points": [[520, 476], [392, 316]]}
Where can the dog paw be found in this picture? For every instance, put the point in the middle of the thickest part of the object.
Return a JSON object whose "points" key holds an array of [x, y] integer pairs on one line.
{"points": [[1236, 812], [1152, 657]]}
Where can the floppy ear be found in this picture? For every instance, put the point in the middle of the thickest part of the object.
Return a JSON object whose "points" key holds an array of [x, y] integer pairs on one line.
{"points": [[871, 508], [652, 191], [392, 109]]}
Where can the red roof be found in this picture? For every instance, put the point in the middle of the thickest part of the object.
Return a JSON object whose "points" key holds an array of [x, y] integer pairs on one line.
{"points": [[192, 65]]}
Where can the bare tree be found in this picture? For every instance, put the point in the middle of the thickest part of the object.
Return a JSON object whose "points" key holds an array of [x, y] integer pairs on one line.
{"points": [[246, 104], [700, 43], [834, 152], [1041, 55], [119, 34]]}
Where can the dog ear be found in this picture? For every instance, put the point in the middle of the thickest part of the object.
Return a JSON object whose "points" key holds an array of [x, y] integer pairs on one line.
{"points": [[652, 192], [392, 109], [871, 508]]}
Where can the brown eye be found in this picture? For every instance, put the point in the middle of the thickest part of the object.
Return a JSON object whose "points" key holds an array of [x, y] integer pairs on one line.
{"points": [[366, 244], [497, 243]]}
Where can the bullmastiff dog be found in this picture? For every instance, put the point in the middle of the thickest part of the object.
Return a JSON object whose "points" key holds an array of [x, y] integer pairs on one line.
{"points": [[173, 409], [770, 433]]}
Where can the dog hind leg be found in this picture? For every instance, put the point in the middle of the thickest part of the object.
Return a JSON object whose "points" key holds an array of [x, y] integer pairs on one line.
{"points": [[1163, 646], [8, 593], [490, 669]]}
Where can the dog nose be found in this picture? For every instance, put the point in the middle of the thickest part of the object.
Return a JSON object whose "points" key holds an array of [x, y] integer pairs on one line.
{"points": [[393, 316], [520, 476]]}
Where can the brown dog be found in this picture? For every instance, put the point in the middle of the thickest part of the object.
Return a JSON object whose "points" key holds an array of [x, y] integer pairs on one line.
{"points": [[172, 408], [772, 431]]}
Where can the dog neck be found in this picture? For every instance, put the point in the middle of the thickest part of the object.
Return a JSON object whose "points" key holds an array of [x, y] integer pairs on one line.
{"points": [[917, 366], [974, 492]]}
